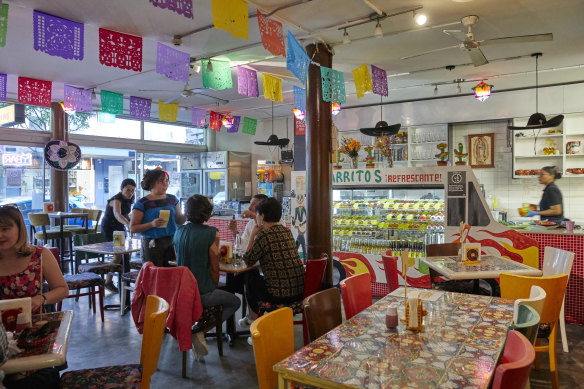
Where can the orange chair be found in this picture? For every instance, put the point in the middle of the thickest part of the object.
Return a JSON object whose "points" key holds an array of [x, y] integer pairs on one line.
{"points": [[356, 292], [390, 268], [519, 287], [513, 372]]}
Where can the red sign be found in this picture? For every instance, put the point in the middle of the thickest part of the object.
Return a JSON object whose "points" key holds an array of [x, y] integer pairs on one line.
{"points": [[413, 178], [299, 127]]}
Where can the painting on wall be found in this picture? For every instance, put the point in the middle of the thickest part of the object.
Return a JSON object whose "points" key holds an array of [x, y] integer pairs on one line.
{"points": [[480, 150]]}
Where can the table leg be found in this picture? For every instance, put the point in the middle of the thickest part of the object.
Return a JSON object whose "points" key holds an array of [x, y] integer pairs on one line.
{"points": [[230, 322], [281, 382], [125, 268]]}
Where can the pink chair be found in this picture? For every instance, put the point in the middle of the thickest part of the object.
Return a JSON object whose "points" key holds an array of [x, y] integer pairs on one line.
{"points": [[356, 292], [390, 268], [518, 356]]}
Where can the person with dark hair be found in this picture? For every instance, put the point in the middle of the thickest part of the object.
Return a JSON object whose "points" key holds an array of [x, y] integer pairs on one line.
{"points": [[155, 216], [197, 247], [250, 213], [551, 206], [117, 216]]}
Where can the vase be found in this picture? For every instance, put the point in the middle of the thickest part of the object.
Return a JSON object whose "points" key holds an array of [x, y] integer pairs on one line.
{"points": [[442, 163], [355, 162], [370, 165], [337, 167]]}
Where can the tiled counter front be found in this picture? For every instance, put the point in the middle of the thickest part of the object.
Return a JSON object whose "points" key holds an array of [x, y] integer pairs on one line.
{"points": [[574, 309], [222, 224]]}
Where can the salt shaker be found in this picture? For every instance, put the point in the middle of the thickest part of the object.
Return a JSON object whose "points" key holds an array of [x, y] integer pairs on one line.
{"points": [[391, 318]]}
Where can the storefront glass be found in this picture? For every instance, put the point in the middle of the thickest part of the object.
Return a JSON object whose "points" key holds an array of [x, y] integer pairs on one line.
{"points": [[173, 133], [103, 125], [25, 116]]}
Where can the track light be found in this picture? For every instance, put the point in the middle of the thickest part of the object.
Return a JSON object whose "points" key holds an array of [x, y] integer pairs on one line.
{"points": [[209, 66], [346, 37], [458, 88], [436, 90], [93, 95], [420, 19], [378, 30]]}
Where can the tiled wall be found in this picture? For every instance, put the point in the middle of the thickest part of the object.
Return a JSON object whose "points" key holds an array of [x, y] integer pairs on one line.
{"points": [[509, 192]]}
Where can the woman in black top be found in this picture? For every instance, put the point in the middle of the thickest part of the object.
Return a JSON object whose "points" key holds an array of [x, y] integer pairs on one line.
{"points": [[117, 215], [551, 206]]}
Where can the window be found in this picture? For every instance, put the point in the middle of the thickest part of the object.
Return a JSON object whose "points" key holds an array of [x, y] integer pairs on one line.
{"points": [[88, 124], [35, 118], [173, 133]]}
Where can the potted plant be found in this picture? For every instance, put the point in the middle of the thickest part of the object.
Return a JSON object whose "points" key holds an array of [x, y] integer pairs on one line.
{"points": [[351, 148], [337, 165], [458, 153], [369, 160], [383, 144], [443, 155]]}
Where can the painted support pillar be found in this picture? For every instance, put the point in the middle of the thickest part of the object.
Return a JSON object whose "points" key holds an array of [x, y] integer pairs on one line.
{"points": [[59, 184]]}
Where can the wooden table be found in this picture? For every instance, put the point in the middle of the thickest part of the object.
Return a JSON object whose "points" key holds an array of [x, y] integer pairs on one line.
{"points": [[55, 356], [231, 271], [463, 337], [61, 217]]}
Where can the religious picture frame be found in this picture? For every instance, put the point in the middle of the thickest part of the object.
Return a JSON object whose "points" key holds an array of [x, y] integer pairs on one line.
{"points": [[481, 149]]}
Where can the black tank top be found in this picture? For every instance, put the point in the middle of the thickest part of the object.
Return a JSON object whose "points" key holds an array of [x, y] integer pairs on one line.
{"points": [[109, 221]]}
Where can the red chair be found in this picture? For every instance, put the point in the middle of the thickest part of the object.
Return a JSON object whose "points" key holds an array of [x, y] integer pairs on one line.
{"points": [[390, 268], [513, 372], [312, 281], [356, 292]]}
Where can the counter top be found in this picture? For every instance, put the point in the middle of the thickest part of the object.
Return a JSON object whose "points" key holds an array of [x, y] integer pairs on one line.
{"points": [[550, 231]]}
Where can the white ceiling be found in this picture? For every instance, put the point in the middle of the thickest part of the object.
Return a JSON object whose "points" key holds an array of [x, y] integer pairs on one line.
{"points": [[408, 79]]}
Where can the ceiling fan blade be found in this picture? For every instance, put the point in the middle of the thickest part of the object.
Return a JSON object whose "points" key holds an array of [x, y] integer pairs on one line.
{"points": [[519, 39], [430, 51], [173, 100], [158, 90], [477, 57]]}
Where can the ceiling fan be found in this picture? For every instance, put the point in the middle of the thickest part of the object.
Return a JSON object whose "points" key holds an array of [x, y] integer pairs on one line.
{"points": [[186, 92], [472, 46]]}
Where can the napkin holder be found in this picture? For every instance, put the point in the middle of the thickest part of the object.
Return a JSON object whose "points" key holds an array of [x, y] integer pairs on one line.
{"points": [[414, 321], [471, 253]]}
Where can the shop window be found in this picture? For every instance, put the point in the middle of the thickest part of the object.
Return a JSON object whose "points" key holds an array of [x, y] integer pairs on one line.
{"points": [[90, 124], [28, 117], [173, 133]]}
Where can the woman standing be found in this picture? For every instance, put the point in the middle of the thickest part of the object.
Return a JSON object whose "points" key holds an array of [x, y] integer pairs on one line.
{"points": [[157, 232], [117, 217], [551, 206]]}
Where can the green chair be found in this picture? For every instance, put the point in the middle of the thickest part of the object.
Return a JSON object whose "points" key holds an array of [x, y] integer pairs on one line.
{"points": [[39, 231], [527, 322], [74, 228]]}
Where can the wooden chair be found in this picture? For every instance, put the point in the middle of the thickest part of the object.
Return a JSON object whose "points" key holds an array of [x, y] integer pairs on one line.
{"points": [[94, 215], [126, 376], [322, 311], [527, 322], [390, 268], [513, 372], [39, 231], [273, 340], [356, 292]]}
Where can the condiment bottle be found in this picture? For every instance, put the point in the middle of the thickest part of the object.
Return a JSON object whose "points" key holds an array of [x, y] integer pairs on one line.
{"points": [[391, 318]]}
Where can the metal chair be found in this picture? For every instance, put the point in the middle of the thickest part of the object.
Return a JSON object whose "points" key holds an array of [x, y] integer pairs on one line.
{"points": [[94, 216], [322, 311], [356, 292]]}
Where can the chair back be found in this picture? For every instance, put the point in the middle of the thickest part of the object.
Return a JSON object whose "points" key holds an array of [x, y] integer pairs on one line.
{"points": [[527, 322], [79, 210], [536, 300], [513, 372], [94, 215], [154, 323], [356, 291], [323, 312], [39, 219], [84, 239], [267, 331], [517, 287], [442, 249], [314, 275], [390, 268], [556, 261]]}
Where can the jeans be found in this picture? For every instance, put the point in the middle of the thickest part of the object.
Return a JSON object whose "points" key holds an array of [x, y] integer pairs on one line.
{"points": [[230, 302]]}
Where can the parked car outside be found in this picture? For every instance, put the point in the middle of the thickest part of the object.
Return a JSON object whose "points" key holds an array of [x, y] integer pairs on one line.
{"points": [[24, 204]]}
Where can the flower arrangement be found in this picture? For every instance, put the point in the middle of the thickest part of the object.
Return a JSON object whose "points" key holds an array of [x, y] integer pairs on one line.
{"points": [[350, 147], [443, 155], [460, 154], [383, 144]]}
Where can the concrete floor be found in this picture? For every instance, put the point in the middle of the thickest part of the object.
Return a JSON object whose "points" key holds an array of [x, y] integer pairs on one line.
{"points": [[116, 341]]}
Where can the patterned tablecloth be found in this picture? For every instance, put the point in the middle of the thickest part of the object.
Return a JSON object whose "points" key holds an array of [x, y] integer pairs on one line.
{"points": [[490, 266], [459, 348]]}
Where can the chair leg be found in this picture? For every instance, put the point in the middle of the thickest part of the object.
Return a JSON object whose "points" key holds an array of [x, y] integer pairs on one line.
{"points": [[537, 354], [100, 290], [77, 297], [184, 364], [59, 306], [92, 297], [552, 357], [563, 329], [123, 298], [219, 332]]}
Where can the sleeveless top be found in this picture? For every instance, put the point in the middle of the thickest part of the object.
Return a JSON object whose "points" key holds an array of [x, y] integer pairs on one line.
{"points": [[151, 210], [27, 283], [109, 221]]}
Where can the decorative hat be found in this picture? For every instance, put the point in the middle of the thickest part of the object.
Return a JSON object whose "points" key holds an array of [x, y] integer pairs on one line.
{"points": [[538, 120], [381, 128], [62, 155]]}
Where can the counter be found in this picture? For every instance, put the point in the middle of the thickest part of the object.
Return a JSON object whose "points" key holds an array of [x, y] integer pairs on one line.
{"points": [[222, 224]]}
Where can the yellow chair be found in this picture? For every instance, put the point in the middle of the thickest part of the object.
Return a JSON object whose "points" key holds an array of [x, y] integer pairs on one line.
{"points": [[267, 331], [519, 287], [128, 375]]}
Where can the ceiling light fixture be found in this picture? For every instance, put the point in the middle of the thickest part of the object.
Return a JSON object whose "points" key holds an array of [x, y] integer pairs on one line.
{"points": [[378, 30], [298, 113], [420, 19], [93, 95], [346, 37], [482, 91], [209, 66], [197, 68], [435, 90], [335, 108]]}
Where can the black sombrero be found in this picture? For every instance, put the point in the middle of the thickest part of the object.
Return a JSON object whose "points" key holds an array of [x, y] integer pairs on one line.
{"points": [[273, 140], [538, 120], [381, 128]]}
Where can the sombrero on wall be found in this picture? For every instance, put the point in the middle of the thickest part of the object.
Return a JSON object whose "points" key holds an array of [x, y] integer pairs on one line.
{"points": [[62, 155]]}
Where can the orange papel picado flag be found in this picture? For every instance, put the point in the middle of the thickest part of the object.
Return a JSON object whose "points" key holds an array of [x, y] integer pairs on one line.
{"points": [[231, 15], [362, 80], [167, 112], [272, 87]]}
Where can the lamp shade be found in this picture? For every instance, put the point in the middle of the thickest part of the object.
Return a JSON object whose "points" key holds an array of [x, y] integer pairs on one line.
{"points": [[482, 91], [335, 108], [227, 121]]}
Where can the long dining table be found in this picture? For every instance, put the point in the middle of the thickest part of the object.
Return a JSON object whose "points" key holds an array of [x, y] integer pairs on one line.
{"points": [[459, 346]]}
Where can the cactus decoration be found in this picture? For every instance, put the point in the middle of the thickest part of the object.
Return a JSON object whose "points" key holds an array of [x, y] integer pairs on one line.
{"points": [[443, 155], [339, 159], [458, 153]]}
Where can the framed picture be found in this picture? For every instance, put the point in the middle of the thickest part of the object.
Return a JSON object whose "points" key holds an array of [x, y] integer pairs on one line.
{"points": [[481, 150]]}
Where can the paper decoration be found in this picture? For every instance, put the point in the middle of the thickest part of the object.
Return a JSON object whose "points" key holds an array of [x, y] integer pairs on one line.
{"points": [[172, 63], [247, 82], [198, 117], [299, 127], [3, 82], [167, 112], [231, 15], [77, 99], [140, 108], [61, 155], [272, 35], [272, 87], [112, 102], [299, 98], [57, 36], [220, 77], [181, 7], [362, 80], [120, 50], [333, 85], [297, 60], [249, 126], [3, 23], [235, 127], [379, 81], [215, 120], [34, 92]]}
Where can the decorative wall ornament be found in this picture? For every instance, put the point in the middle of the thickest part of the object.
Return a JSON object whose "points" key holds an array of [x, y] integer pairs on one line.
{"points": [[172, 63], [219, 77], [333, 85], [299, 98], [120, 50], [181, 7], [379, 81], [362, 80], [272, 35], [215, 120], [297, 60], [249, 126], [247, 82], [272, 87], [3, 82], [231, 16], [140, 108], [235, 126], [61, 155], [34, 92], [112, 102], [57, 36], [481, 150], [167, 112], [3, 23], [77, 99], [198, 117]]}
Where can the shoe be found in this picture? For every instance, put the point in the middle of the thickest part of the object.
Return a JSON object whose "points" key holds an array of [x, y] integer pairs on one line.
{"points": [[199, 344], [250, 341], [111, 287], [244, 322]]}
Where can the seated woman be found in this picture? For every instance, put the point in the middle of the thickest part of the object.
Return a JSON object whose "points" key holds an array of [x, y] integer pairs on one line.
{"points": [[197, 247], [275, 248]]}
